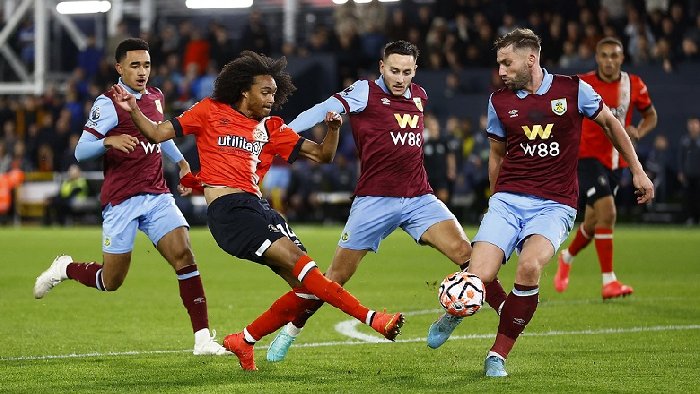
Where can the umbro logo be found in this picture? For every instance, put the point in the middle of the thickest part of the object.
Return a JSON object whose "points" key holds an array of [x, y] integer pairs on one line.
{"points": [[513, 113], [386, 101]]}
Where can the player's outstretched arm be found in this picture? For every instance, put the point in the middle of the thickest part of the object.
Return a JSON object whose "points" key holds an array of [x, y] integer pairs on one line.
{"points": [[644, 188], [325, 151], [154, 132]]}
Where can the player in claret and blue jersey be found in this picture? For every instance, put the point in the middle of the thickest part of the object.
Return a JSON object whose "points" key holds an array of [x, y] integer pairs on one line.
{"points": [[386, 116], [534, 127], [135, 197]]}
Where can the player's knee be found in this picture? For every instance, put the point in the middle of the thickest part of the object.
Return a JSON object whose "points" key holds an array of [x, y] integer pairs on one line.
{"points": [[460, 251], [529, 268], [182, 258]]}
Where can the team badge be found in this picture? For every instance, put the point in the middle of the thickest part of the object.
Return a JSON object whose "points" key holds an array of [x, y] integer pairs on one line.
{"points": [[559, 106], [259, 133], [419, 103], [513, 113], [159, 106], [386, 101], [345, 236], [108, 241]]}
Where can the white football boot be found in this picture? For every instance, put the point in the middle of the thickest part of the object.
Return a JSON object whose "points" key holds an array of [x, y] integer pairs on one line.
{"points": [[54, 275]]}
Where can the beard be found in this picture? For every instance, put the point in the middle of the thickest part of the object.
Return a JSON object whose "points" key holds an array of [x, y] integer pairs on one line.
{"points": [[519, 81]]}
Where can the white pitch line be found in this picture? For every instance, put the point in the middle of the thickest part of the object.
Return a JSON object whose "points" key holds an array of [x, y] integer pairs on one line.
{"points": [[629, 330]]}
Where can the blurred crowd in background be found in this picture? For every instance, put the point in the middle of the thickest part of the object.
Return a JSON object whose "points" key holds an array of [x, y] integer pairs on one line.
{"points": [[39, 133]]}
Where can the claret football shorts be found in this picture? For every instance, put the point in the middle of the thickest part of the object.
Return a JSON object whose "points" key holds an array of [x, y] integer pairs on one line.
{"points": [[245, 226]]}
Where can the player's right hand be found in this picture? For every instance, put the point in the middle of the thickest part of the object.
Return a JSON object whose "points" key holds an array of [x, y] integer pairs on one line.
{"points": [[123, 98], [123, 142], [333, 120]]}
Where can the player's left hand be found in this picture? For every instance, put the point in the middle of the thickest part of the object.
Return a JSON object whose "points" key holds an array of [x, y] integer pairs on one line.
{"points": [[333, 120], [124, 99], [643, 188]]}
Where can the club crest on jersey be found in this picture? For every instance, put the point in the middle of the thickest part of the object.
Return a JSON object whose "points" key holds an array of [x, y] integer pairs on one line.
{"points": [[419, 103], [513, 113], [159, 106], [259, 133], [386, 101], [559, 106]]}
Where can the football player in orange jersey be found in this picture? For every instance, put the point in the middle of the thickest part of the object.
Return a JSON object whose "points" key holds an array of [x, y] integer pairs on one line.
{"points": [[237, 140], [601, 165]]}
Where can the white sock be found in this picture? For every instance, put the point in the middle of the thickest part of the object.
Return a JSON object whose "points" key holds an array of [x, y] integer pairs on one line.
{"points": [[608, 277], [292, 330], [368, 319], [202, 336], [566, 257], [248, 338], [495, 354]]}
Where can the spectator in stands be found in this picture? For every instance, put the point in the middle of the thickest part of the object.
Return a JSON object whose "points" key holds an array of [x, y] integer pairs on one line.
{"points": [[45, 158], [255, 36], [74, 188], [657, 166], [438, 162], [5, 158], [689, 170], [196, 53], [89, 58], [222, 48], [20, 161]]}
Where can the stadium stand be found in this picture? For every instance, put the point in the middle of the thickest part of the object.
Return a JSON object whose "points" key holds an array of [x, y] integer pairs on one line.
{"points": [[337, 44]]}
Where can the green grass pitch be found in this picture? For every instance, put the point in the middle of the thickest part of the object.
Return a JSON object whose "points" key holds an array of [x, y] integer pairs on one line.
{"points": [[139, 340]]}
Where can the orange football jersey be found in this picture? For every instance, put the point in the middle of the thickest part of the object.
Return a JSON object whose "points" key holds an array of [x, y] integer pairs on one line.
{"points": [[620, 96], [234, 150]]}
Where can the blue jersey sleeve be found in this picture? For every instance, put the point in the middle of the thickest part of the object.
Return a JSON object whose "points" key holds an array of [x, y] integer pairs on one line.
{"points": [[102, 118], [494, 127], [169, 149], [589, 101], [89, 147], [355, 96], [315, 114]]}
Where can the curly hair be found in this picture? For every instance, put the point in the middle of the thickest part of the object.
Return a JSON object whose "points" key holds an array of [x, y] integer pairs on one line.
{"points": [[238, 76]]}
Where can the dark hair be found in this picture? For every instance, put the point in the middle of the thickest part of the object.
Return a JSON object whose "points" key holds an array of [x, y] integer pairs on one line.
{"points": [[609, 40], [519, 38], [130, 44], [401, 48], [238, 75]]}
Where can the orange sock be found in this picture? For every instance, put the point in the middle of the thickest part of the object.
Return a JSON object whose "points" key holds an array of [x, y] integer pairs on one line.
{"points": [[604, 247], [328, 291], [280, 313], [581, 240]]}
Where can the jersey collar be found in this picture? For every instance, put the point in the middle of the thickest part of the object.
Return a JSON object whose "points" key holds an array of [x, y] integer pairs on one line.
{"points": [[546, 84], [130, 90], [380, 82]]}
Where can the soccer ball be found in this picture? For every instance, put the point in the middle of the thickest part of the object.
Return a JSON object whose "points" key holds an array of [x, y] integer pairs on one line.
{"points": [[461, 294]]}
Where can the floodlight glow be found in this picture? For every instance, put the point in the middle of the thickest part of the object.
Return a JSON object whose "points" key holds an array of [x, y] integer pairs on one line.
{"points": [[83, 7], [340, 1], [219, 3]]}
